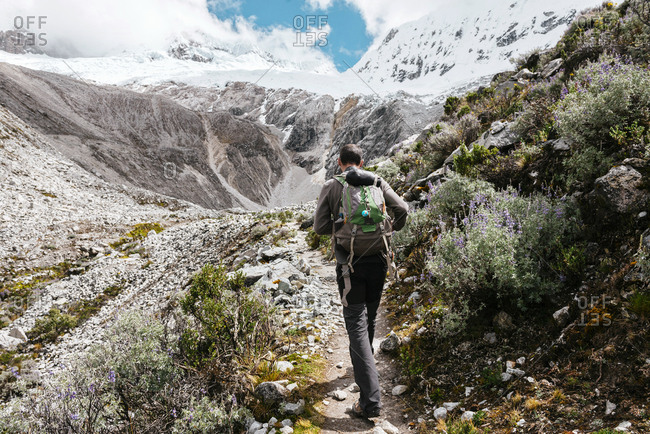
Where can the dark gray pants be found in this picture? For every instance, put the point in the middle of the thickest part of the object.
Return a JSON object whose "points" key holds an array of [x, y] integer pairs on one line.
{"points": [[360, 323], [367, 283]]}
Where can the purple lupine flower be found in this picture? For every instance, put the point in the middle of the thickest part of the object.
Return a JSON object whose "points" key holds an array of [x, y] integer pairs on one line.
{"points": [[111, 376]]}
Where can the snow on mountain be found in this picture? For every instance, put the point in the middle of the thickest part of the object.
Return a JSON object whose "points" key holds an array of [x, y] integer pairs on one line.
{"points": [[464, 41], [457, 47]]}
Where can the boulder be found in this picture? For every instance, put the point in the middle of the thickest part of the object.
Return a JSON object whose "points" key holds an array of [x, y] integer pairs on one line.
{"points": [[255, 273], [467, 415], [297, 408], [500, 136], [283, 366], [18, 333], [274, 253], [388, 427], [391, 343], [551, 68], [271, 391], [562, 316], [524, 74], [620, 190], [440, 413]]}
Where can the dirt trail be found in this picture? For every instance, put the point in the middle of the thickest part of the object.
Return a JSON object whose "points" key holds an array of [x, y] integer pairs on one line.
{"points": [[336, 414]]}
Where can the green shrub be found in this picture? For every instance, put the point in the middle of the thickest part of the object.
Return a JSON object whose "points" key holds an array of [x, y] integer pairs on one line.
{"points": [[451, 104], [315, 241], [605, 96], [232, 324], [584, 166], [51, 326], [132, 382], [465, 161], [497, 252], [461, 427], [138, 233], [464, 110]]}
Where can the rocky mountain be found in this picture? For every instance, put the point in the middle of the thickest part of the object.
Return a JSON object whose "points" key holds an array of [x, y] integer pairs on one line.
{"points": [[213, 159], [464, 41], [238, 146]]}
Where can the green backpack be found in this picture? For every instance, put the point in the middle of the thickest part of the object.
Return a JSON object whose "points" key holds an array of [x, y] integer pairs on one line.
{"points": [[366, 226]]}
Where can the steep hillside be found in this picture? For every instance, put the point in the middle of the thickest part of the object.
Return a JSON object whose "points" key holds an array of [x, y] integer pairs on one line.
{"points": [[149, 141]]}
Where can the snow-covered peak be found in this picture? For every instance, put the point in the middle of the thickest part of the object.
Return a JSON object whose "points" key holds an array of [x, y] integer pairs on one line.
{"points": [[465, 40]]}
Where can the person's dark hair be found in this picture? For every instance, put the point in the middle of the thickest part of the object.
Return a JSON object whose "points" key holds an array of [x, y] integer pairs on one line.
{"points": [[351, 154]]}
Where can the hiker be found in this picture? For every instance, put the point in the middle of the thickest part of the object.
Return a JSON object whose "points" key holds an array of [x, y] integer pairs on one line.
{"points": [[361, 228]]}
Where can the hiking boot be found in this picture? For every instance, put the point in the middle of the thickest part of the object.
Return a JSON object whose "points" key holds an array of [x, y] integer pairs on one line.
{"points": [[359, 412]]}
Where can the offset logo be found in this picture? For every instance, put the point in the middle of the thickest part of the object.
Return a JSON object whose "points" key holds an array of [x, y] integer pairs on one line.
{"points": [[30, 31], [310, 30]]}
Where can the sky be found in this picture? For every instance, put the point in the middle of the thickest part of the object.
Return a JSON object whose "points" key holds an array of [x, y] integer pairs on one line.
{"points": [[331, 32]]}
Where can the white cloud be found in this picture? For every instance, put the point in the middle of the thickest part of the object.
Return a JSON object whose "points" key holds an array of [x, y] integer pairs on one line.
{"points": [[319, 4], [107, 27], [382, 15]]}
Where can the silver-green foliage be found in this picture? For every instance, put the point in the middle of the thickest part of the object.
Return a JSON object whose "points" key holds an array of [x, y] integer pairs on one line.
{"points": [[603, 95], [495, 247], [130, 383]]}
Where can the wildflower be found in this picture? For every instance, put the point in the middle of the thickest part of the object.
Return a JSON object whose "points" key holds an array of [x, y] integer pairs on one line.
{"points": [[111, 376]]}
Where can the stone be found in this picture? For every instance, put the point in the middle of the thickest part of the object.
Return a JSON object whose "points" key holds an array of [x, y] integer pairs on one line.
{"points": [[354, 388], [291, 387], [304, 267], [339, 395], [521, 422], [499, 136], [388, 427], [562, 316], [505, 377], [524, 74], [623, 426], [552, 67], [490, 338], [468, 391], [621, 190], [510, 364], [285, 286], [255, 273], [415, 296], [503, 322], [399, 390], [287, 422], [271, 392], [272, 421], [391, 343], [283, 366], [609, 407], [255, 426], [450, 406], [521, 360], [294, 408], [467, 415], [339, 365], [274, 253], [378, 430], [440, 413], [515, 371], [286, 430], [18, 333]]}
